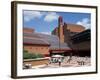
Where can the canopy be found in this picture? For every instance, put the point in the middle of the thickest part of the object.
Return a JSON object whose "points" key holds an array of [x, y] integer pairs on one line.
{"points": [[57, 56]]}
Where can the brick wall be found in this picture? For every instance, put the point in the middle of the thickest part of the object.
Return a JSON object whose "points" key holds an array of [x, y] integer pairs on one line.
{"points": [[37, 49]]}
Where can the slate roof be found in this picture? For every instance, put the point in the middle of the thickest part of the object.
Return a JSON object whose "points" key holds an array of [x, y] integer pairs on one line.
{"points": [[35, 41], [39, 38]]}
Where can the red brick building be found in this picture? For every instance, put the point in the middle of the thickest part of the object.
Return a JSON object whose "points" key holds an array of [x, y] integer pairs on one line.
{"points": [[69, 33], [60, 42]]}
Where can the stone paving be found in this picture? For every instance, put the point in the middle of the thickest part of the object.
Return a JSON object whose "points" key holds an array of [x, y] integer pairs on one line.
{"points": [[74, 62]]}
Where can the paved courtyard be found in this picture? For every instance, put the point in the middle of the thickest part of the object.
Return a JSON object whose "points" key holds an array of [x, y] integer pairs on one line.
{"points": [[74, 62]]}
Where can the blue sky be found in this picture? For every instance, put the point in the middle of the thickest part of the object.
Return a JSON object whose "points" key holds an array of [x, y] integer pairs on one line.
{"points": [[45, 22]]}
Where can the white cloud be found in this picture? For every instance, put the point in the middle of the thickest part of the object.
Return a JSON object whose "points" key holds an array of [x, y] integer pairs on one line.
{"points": [[48, 16], [85, 22], [29, 15], [48, 33], [51, 16]]}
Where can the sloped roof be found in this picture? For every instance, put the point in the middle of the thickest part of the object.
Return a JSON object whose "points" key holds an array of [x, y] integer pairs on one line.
{"points": [[39, 38], [72, 27], [35, 41], [75, 27]]}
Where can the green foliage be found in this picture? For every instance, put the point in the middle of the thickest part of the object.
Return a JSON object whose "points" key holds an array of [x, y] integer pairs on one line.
{"points": [[25, 51], [38, 55], [27, 55]]}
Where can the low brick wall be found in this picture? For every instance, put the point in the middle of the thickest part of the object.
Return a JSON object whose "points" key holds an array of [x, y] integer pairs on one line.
{"points": [[36, 62]]}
